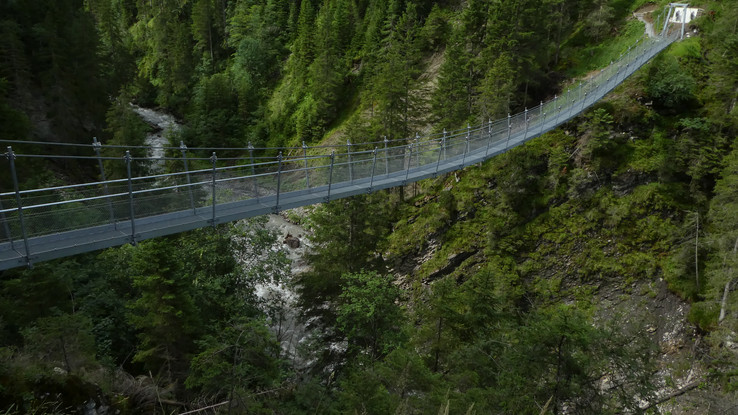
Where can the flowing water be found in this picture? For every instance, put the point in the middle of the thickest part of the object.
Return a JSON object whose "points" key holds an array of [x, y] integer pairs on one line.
{"points": [[286, 324], [165, 125]]}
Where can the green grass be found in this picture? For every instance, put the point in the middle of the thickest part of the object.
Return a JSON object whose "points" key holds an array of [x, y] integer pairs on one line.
{"points": [[582, 60], [687, 48], [582, 54]]}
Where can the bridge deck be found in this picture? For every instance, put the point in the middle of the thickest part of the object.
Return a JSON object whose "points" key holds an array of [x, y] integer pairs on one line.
{"points": [[476, 148]]}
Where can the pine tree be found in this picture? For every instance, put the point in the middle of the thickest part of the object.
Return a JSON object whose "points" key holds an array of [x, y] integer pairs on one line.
{"points": [[163, 312], [449, 103], [368, 315], [497, 89], [395, 85]]}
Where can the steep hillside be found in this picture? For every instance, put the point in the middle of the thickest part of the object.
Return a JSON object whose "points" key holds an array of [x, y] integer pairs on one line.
{"points": [[626, 216], [590, 271]]}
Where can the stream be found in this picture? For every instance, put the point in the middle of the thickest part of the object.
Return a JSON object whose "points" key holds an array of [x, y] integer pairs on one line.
{"points": [[288, 329], [164, 126]]}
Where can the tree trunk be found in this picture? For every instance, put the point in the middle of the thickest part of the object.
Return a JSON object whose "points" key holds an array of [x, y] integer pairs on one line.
{"points": [[726, 291], [558, 375], [66, 356], [438, 344], [696, 251]]}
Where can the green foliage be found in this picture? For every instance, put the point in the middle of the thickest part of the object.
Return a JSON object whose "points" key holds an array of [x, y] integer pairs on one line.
{"points": [[163, 312], [166, 62], [598, 23], [490, 253], [591, 56], [704, 315], [596, 145], [236, 363], [565, 350], [668, 84], [400, 382], [65, 341], [346, 233], [15, 123], [215, 121], [395, 82], [368, 316], [49, 61]]}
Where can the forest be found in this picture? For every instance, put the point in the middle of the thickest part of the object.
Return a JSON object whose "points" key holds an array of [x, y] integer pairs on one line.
{"points": [[589, 271]]}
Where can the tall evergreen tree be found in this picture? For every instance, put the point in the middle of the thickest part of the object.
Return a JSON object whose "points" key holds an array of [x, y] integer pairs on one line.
{"points": [[395, 84]]}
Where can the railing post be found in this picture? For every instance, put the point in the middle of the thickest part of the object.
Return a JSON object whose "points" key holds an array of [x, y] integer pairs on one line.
{"points": [[468, 137], [509, 130], [279, 182], [417, 150], [571, 106], [19, 204], [183, 149], [409, 152], [625, 72], [666, 22], [350, 166], [525, 120], [684, 20], [386, 157], [540, 111], [374, 165], [131, 207], [440, 151], [466, 145], [489, 136], [445, 156], [96, 145], [253, 171], [213, 160], [307, 172], [584, 100], [330, 175]]}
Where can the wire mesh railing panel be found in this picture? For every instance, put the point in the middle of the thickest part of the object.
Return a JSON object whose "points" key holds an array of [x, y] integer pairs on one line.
{"points": [[396, 159], [188, 184], [427, 153], [293, 180], [320, 176], [364, 167], [49, 219], [234, 184], [342, 168]]}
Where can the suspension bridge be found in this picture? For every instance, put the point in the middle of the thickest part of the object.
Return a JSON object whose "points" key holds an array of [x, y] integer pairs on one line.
{"points": [[41, 224]]}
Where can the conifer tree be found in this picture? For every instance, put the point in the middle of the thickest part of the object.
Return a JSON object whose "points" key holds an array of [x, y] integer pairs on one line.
{"points": [[450, 101], [395, 85]]}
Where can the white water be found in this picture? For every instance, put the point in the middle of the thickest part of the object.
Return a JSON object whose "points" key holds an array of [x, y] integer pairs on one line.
{"points": [[165, 125], [286, 325]]}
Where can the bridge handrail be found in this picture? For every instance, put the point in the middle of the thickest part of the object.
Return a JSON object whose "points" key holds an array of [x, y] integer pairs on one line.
{"points": [[124, 201]]}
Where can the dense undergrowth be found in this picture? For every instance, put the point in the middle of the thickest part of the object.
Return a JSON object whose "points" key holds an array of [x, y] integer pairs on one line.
{"points": [[488, 290]]}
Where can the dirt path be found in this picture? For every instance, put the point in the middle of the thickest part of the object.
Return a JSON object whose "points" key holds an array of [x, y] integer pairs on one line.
{"points": [[641, 13], [649, 26]]}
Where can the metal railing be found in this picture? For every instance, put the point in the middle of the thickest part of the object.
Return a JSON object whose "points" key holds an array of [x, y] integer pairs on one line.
{"points": [[45, 223]]}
